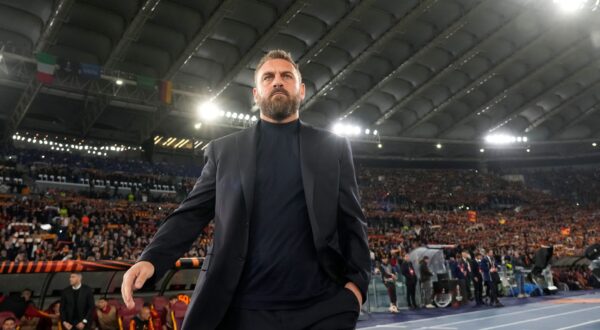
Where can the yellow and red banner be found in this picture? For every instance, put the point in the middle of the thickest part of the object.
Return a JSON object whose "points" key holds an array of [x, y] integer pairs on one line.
{"points": [[472, 216]]}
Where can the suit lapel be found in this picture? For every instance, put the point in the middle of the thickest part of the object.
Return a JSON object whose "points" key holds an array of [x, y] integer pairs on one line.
{"points": [[308, 146], [246, 145]]}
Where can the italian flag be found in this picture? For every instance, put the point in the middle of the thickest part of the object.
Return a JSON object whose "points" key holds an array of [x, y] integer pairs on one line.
{"points": [[46, 64], [166, 91]]}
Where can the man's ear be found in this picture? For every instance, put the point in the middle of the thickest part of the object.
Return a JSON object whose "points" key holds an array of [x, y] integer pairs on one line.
{"points": [[254, 93], [302, 91]]}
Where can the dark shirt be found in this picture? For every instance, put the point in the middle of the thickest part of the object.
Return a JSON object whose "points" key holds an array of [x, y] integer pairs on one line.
{"points": [[426, 274], [76, 298], [281, 269], [408, 271]]}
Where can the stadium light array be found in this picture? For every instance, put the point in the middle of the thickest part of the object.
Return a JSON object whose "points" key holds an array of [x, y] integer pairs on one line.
{"points": [[67, 146], [504, 139], [352, 130], [210, 112]]}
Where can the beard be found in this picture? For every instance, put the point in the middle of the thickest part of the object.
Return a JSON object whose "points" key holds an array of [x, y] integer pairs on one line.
{"points": [[279, 106]]}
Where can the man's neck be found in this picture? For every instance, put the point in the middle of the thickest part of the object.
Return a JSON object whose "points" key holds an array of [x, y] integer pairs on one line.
{"points": [[76, 287], [289, 119]]}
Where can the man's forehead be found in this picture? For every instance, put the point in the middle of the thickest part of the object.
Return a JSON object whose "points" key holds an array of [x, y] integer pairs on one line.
{"points": [[276, 65]]}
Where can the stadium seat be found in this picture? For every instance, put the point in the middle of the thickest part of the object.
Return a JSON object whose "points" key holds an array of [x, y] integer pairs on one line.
{"points": [[127, 314], [159, 303]]}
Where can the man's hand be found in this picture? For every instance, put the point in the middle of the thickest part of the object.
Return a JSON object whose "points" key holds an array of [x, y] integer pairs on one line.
{"points": [[67, 325], [352, 287], [135, 278], [80, 325]]}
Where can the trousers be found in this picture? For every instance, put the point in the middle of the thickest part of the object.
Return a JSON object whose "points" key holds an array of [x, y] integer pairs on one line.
{"points": [[336, 313]]}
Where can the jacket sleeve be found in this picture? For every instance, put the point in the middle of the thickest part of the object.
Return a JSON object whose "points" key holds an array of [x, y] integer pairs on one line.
{"points": [[63, 306], [89, 314], [183, 226], [352, 224], [485, 267]]}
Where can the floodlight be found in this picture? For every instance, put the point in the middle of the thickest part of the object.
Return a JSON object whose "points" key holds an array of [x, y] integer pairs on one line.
{"points": [[570, 6], [208, 111]]}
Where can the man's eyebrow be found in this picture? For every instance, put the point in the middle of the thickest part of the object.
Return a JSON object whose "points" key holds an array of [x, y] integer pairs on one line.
{"points": [[272, 72]]}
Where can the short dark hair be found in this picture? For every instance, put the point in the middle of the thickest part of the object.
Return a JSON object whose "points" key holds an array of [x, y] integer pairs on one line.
{"points": [[277, 54]]}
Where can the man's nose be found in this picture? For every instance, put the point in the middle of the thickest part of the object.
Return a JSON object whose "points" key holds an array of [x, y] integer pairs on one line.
{"points": [[277, 82]]}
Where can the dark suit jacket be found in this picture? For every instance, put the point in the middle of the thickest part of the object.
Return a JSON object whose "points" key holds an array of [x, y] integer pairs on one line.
{"points": [[225, 192], [85, 303], [410, 277], [485, 267]]}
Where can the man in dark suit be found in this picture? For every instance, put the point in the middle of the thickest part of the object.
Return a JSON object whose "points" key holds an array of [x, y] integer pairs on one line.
{"points": [[459, 272], [477, 278], [290, 238], [76, 304], [468, 270], [410, 277], [491, 278]]}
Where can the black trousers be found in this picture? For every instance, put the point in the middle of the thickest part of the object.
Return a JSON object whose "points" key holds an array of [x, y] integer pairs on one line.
{"points": [[411, 289], [492, 291], [468, 283], [338, 312], [478, 285]]}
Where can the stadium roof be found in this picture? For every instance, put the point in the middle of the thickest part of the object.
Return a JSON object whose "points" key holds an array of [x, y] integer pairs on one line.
{"points": [[421, 73]]}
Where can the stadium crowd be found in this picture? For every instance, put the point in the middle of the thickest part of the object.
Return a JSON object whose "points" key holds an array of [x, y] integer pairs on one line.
{"points": [[405, 208], [162, 313]]}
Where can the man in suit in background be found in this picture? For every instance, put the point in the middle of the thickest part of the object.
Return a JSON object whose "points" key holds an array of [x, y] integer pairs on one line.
{"points": [[477, 278], [410, 277], [491, 278], [76, 304], [290, 238], [466, 262]]}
